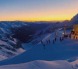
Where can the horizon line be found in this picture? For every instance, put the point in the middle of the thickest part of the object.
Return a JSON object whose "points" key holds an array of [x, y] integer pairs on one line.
{"points": [[37, 20]]}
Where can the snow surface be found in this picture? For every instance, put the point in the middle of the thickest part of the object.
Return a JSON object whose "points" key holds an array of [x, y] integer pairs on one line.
{"points": [[75, 64], [53, 56], [7, 42], [60, 50], [40, 64]]}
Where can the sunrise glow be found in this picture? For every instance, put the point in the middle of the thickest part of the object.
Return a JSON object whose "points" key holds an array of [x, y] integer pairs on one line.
{"points": [[37, 10]]}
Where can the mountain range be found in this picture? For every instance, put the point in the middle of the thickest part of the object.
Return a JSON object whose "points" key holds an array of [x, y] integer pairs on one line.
{"points": [[15, 33]]}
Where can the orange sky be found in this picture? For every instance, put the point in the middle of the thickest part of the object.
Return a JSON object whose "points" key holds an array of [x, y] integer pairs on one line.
{"points": [[38, 10]]}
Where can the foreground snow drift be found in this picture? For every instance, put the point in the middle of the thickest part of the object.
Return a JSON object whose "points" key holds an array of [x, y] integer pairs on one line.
{"points": [[40, 64]]}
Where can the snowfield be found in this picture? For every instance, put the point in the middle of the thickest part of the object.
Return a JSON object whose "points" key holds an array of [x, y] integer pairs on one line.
{"points": [[51, 56], [42, 52], [40, 64]]}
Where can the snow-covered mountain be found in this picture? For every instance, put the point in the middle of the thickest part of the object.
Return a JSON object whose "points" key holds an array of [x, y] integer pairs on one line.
{"points": [[8, 44], [36, 54], [53, 56], [74, 20], [65, 50]]}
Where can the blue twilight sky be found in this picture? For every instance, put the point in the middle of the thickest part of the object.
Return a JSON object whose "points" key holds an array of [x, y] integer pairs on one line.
{"points": [[37, 10]]}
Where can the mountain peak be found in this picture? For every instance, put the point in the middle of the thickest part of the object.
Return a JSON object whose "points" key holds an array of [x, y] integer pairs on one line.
{"points": [[75, 19], [76, 15]]}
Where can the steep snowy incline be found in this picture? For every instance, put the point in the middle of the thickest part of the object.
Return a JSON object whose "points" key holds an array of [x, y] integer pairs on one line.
{"points": [[59, 50], [9, 44], [40, 64]]}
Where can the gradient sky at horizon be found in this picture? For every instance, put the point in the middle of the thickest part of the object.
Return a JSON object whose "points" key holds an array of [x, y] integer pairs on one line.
{"points": [[38, 10]]}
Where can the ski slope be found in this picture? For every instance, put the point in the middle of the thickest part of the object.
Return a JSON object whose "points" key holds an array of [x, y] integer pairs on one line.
{"points": [[59, 50]]}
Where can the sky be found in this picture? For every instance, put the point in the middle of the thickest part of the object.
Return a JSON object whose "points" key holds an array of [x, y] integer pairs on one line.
{"points": [[38, 10]]}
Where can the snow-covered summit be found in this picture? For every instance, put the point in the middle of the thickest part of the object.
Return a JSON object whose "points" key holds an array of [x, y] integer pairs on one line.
{"points": [[74, 20]]}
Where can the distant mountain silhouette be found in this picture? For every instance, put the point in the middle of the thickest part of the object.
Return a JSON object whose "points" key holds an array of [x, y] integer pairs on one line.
{"points": [[74, 20]]}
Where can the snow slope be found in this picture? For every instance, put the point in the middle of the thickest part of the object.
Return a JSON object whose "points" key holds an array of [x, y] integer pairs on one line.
{"points": [[40, 64], [59, 51], [7, 42]]}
